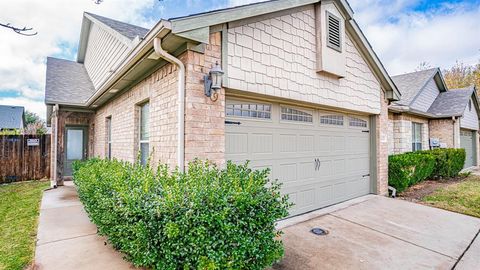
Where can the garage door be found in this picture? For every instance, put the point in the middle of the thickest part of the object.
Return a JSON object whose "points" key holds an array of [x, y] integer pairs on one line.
{"points": [[466, 142], [322, 158]]}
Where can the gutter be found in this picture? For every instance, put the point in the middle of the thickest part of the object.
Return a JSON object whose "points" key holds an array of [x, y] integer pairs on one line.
{"points": [[157, 45]]}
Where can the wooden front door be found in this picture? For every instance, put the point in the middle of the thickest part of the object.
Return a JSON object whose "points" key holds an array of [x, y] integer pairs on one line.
{"points": [[75, 147]]}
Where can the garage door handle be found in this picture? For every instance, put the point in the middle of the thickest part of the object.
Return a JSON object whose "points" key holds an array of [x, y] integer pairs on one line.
{"points": [[232, 123], [365, 175]]}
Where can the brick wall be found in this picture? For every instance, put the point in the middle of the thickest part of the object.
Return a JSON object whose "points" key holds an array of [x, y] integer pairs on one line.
{"points": [[160, 89], [204, 118], [443, 129], [382, 147], [401, 132]]}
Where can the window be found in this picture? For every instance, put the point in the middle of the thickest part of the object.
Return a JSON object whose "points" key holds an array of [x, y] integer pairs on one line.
{"points": [[336, 120], [334, 37], [144, 133], [108, 124], [357, 122], [261, 111], [296, 115], [416, 136]]}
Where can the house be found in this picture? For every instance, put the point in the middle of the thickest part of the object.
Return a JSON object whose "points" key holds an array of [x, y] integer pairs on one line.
{"points": [[428, 112], [12, 118], [302, 94]]}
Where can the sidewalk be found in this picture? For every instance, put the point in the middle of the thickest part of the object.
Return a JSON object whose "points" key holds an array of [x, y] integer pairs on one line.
{"points": [[67, 239]]}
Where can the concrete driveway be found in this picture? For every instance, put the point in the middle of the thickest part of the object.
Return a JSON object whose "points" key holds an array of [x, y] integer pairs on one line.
{"points": [[375, 232]]}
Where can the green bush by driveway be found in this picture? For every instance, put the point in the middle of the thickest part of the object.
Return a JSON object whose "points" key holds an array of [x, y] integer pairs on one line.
{"points": [[205, 218], [19, 209], [405, 170], [448, 162]]}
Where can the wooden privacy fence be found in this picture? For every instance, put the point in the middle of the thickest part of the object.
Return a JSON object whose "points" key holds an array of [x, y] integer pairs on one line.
{"points": [[24, 157]]}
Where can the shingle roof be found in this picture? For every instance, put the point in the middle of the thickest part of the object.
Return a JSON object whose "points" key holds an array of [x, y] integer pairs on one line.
{"points": [[452, 102], [128, 30], [410, 84], [67, 82], [11, 117]]}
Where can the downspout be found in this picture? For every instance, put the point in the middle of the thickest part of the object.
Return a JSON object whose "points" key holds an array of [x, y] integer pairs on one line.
{"points": [[157, 45], [53, 183]]}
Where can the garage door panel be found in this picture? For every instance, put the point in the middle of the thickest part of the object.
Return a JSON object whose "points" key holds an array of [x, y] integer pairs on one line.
{"points": [[317, 164], [261, 143], [236, 143], [306, 143]]}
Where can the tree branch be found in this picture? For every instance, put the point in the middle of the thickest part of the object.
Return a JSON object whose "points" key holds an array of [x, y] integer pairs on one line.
{"points": [[21, 31]]}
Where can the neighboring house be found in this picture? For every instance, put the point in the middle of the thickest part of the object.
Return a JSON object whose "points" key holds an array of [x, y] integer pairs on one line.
{"points": [[303, 94], [429, 110], [12, 118]]}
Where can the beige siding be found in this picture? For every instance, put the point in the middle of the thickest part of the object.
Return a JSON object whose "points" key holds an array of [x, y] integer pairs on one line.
{"points": [[104, 53], [470, 118], [276, 56]]}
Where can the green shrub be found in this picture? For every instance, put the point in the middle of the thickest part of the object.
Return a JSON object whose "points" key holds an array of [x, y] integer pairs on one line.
{"points": [[407, 169], [205, 218], [449, 162]]}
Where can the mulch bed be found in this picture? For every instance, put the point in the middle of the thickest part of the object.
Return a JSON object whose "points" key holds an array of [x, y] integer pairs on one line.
{"points": [[417, 192]]}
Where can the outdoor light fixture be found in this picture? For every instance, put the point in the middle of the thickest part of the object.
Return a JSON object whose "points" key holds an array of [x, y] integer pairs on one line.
{"points": [[213, 82]]}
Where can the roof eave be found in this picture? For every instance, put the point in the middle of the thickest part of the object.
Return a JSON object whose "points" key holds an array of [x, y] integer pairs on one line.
{"points": [[161, 29]]}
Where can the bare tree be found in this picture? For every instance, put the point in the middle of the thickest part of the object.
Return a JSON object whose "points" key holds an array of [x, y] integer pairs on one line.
{"points": [[25, 31]]}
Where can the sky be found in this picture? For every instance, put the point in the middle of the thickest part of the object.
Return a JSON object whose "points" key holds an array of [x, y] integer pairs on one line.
{"points": [[403, 33]]}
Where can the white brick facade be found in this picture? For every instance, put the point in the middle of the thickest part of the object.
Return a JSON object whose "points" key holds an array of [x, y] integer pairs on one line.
{"points": [[276, 56]]}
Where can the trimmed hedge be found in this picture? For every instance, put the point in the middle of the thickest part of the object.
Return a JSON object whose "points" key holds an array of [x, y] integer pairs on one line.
{"points": [[205, 218], [405, 170], [448, 162]]}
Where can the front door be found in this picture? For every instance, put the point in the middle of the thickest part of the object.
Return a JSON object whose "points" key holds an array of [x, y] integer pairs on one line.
{"points": [[75, 147]]}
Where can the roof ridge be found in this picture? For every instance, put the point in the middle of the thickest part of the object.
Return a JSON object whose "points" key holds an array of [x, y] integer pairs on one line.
{"points": [[96, 15], [419, 71]]}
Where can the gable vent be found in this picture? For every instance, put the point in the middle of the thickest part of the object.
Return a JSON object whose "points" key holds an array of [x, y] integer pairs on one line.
{"points": [[333, 32]]}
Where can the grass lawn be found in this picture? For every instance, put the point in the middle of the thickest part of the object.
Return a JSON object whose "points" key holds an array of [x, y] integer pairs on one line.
{"points": [[19, 209], [462, 197]]}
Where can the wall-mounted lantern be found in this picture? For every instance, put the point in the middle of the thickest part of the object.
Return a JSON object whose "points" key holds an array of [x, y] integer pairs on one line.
{"points": [[213, 82]]}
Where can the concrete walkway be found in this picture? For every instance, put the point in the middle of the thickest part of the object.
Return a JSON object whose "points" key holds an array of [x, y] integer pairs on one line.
{"points": [[371, 232], [67, 239]]}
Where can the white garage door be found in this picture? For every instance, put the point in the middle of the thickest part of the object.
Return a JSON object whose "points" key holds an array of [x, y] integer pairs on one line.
{"points": [[321, 158]]}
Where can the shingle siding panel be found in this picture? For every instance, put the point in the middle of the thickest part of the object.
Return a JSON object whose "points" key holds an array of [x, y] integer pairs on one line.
{"points": [[287, 63]]}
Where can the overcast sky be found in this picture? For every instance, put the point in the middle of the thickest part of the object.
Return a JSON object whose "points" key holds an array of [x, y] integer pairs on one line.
{"points": [[402, 32]]}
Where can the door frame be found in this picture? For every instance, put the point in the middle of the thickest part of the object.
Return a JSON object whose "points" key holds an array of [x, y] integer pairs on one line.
{"points": [[65, 141]]}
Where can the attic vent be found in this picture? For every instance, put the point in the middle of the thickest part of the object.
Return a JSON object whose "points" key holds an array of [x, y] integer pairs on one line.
{"points": [[333, 32]]}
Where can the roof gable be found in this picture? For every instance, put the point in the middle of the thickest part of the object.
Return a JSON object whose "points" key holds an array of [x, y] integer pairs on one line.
{"points": [[11, 117], [452, 102], [67, 83], [412, 84], [128, 34]]}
